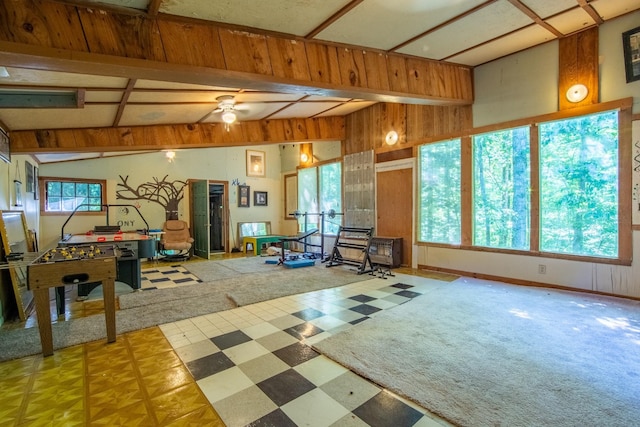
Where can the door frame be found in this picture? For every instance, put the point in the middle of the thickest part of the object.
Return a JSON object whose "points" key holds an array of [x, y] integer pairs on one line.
{"points": [[225, 209], [225, 212], [408, 163]]}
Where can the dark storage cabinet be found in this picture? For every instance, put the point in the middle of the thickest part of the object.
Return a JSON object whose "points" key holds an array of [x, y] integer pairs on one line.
{"points": [[386, 251]]}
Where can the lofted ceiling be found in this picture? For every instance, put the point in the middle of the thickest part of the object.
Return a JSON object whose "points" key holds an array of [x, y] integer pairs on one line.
{"points": [[468, 32]]}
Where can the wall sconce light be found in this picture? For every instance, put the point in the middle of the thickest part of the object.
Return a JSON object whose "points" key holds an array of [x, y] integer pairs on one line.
{"points": [[170, 155], [391, 138], [304, 157], [577, 93]]}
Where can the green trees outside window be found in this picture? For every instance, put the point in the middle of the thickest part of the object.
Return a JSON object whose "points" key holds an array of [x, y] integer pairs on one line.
{"points": [[440, 215], [579, 185], [320, 190], [577, 193], [65, 196], [501, 183]]}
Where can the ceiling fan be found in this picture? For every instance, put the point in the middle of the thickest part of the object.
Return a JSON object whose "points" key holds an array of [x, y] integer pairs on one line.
{"points": [[227, 106]]}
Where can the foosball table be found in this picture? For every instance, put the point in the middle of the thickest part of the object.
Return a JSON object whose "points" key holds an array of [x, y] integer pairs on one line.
{"points": [[73, 265]]}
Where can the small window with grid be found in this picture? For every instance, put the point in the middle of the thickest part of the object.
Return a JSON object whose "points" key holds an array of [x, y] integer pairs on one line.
{"points": [[63, 195]]}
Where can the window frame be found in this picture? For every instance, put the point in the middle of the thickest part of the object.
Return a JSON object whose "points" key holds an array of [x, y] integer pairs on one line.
{"points": [[317, 167], [42, 183], [625, 235]]}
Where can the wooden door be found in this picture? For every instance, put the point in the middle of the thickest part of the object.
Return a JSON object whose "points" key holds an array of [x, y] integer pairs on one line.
{"points": [[394, 208], [199, 191]]}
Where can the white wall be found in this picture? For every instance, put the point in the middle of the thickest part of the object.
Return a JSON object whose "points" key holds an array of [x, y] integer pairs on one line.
{"points": [[524, 85], [221, 164]]}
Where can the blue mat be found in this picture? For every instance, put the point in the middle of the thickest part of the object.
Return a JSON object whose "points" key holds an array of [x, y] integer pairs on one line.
{"points": [[299, 263]]}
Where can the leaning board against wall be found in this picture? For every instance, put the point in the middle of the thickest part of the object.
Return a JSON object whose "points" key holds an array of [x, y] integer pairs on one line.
{"points": [[17, 248]]}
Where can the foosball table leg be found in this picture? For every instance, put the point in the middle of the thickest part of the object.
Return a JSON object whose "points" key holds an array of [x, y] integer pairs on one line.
{"points": [[108, 289], [41, 299]]}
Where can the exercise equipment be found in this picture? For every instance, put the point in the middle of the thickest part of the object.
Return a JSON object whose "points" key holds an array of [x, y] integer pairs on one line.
{"points": [[353, 238], [331, 213]]}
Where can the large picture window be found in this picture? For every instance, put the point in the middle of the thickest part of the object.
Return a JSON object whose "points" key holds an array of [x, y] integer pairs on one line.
{"points": [[66, 195], [579, 185], [320, 190], [501, 177], [440, 192], [571, 210]]}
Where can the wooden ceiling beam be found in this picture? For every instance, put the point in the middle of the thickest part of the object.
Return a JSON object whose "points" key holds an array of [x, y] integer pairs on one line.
{"points": [[63, 37], [203, 135]]}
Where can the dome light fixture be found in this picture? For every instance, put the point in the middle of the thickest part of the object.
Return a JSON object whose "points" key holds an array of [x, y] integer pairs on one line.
{"points": [[304, 157], [170, 155], [229, 117], [577, 93], [391, 138]]}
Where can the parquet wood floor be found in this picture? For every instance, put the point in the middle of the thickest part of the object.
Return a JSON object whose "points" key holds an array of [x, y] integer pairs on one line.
{"points": [[137, 381]]}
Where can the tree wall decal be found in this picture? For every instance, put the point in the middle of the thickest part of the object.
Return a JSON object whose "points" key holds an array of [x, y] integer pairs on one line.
{"points": [[167, 194]]}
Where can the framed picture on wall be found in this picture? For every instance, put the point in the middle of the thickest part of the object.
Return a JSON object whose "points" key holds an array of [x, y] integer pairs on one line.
{"points": [[28, 176], [5, 153], [255, 163], [243, 196], [631, 48], [36, 187], [259, 198]]}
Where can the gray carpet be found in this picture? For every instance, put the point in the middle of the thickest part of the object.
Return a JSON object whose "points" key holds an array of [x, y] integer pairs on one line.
{"points": [[486, 354], [143, 309]]}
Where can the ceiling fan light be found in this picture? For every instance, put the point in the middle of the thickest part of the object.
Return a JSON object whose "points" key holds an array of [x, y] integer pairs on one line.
{"points": [[228, 117]]}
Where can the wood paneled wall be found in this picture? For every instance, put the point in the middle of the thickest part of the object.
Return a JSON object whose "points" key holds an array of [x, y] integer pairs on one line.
{"points": [[578, 60], [230, 57], [366, 129]]}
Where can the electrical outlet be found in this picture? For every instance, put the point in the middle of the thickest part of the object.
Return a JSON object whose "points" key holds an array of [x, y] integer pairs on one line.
{"points": [[542, 269]]}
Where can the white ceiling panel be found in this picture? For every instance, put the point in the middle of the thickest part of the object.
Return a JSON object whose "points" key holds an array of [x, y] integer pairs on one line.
{"points": [[390, 23], [103, 96], [250, 111], [488, 23], [150, 96], [517, 41], [571, 21], [59, 118], [64, 157], [144, 115], [547, 8], [24, 76], [608, 9], [304, 109], [344, 109], [157, 84], [297, 17]]}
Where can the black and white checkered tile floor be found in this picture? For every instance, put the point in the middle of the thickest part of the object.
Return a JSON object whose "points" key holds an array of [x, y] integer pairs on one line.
{"points": [[257, 367], [166, 277]]}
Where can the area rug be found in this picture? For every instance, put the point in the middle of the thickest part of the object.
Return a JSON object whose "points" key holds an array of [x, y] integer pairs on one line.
{"points": [[143, 309], [480, 353]]}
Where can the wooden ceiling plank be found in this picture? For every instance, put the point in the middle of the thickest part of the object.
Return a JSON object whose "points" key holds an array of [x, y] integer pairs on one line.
{"points": [[333, 18], [288, 58], [207, 52], [178, 136], [122, 35], [41, 24], [154, 7], [591, 11], [534, 17], [123, 101]]}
